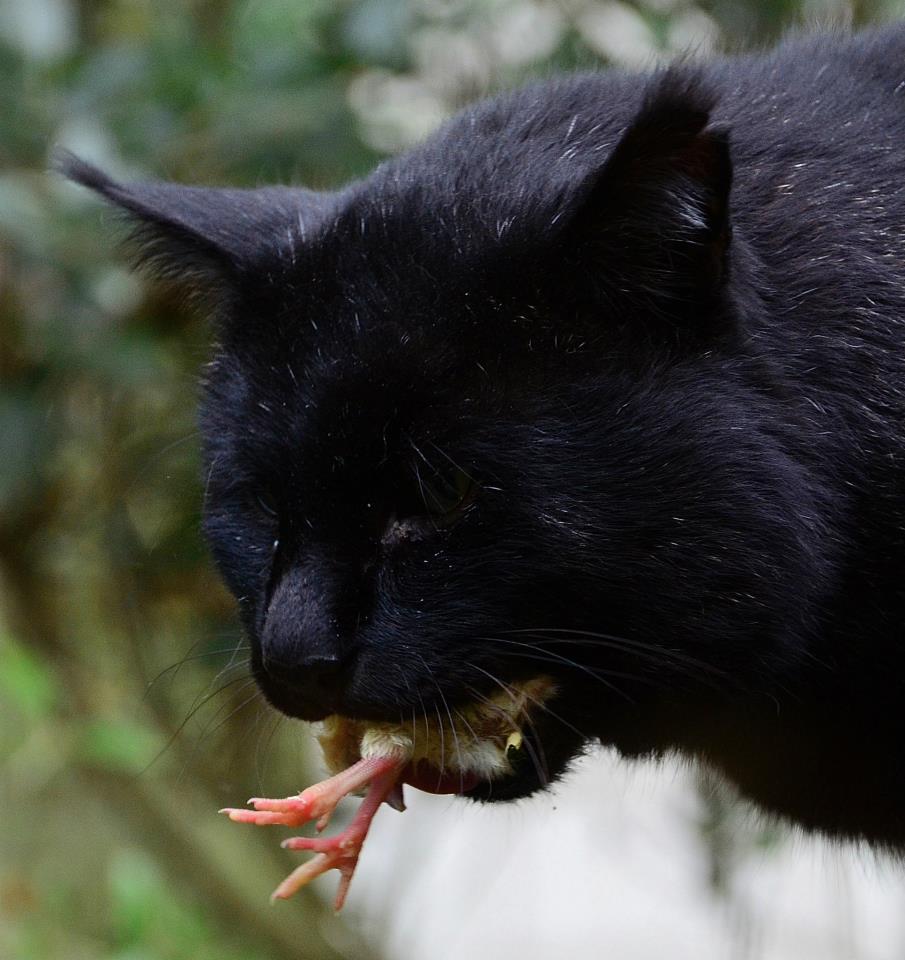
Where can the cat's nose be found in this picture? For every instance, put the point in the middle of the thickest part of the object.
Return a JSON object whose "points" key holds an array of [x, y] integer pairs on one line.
{"points": [[303, 657]]}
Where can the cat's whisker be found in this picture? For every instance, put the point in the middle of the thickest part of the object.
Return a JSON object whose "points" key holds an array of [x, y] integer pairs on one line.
{"points": [[646, 649], [427, 728], [474, 739], [539, 769], [240, 645], [660, 670], [448, 458], [408, 690], [177, 666], [203, 697], [536, 752], [261, 755], [257, 695], [430, 674], [153, 460], [467, 725], [217, 721], [247, 682], [542, 652], [428, 497], [442, 742], [188, 717], [537, 704], [455, 735], [174, 668], [230, 665], [650, 681], [207, 481], [238, 665], [554, 657]]}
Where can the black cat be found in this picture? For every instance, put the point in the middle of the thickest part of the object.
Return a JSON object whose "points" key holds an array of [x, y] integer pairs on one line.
{"points": [[606, 381]]}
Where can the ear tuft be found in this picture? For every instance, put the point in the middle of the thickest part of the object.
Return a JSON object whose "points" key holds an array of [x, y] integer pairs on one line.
{"points": [[206, 239], [81, 172], [177, 233]]}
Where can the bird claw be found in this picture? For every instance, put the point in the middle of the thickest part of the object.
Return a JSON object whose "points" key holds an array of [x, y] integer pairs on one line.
{"points": [[339, 852]]}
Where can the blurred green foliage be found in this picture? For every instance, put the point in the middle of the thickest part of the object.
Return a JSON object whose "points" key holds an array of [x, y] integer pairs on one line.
{"points": [[109, 846]]}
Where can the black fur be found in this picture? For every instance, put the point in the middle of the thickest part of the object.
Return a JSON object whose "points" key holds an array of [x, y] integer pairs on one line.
{"points": [[655, 325]]}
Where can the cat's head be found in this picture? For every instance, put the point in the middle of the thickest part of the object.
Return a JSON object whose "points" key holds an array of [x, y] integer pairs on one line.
{"points": [[490, 413]]}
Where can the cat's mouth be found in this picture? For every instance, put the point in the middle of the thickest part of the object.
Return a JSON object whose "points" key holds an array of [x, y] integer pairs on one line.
{"points": [[486, 750], [477, 751]]}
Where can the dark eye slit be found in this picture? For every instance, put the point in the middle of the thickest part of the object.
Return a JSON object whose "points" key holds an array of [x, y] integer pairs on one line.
{"points": [[266, 502], [445, 491]]}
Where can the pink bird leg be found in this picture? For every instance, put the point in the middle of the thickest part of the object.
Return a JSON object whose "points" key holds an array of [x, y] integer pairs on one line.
{"points": [[318, 802]]}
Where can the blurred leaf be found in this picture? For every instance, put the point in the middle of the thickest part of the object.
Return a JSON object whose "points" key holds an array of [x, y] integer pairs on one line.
{"points": [[134, 880], [377, 31], [146, 908], [25, 680], [120, 745], [24, 443]]}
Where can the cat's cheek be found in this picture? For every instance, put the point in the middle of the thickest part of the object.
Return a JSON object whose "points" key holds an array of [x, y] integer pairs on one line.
{"points": [[243, 555]]}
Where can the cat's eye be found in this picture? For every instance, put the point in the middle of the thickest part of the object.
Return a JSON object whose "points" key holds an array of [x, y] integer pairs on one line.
{"points": [[446, 494]]}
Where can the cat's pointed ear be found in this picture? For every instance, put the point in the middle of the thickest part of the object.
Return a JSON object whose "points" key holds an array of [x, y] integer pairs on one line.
{"points": [[204, 238], [652, 227]]}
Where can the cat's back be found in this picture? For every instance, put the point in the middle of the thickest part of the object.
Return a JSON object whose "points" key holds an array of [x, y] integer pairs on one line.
{"points": [[819, 113], [809, 106]]}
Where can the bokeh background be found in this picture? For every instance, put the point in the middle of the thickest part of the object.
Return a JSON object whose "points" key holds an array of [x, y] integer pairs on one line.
{"points": [[126, 717]]}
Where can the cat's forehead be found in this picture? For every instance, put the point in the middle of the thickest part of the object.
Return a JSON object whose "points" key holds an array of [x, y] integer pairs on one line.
{"points": [[388, 286], [339, 369], [398, 325]]}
